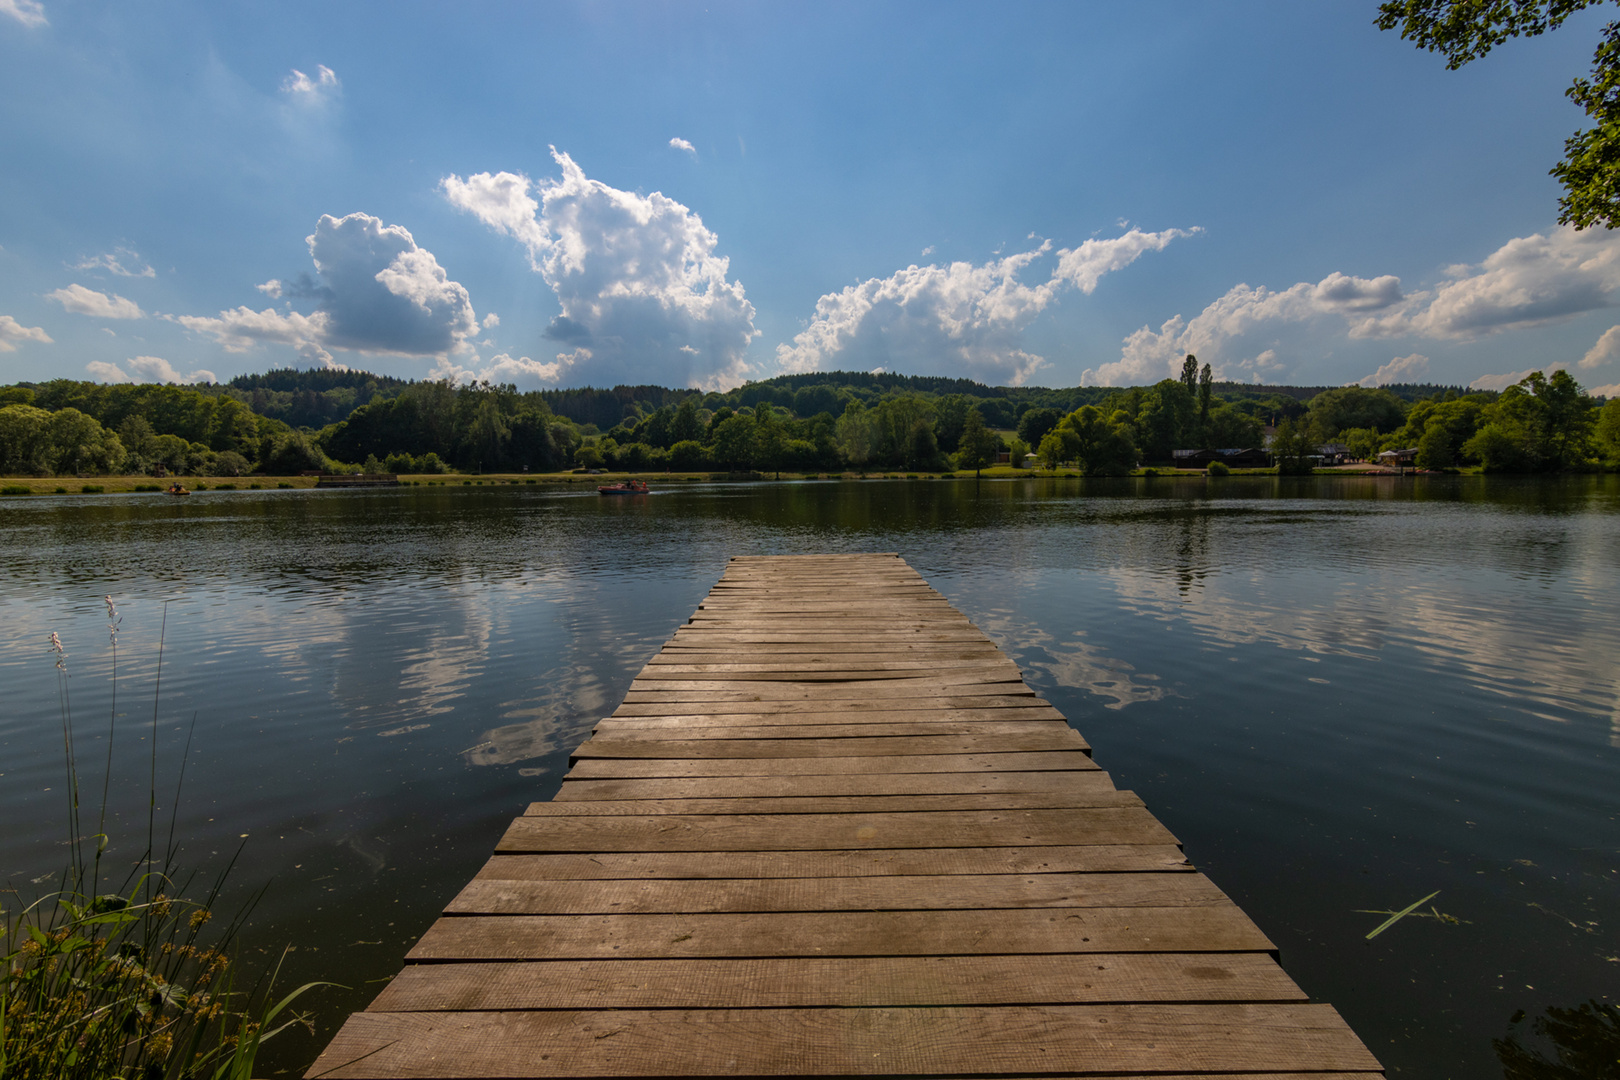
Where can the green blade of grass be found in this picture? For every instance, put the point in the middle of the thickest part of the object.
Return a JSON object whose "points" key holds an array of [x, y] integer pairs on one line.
{"points": [[1401, 914]]}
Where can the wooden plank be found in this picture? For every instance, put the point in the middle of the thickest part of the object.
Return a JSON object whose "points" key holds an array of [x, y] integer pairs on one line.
{"points": [[847, 668], [809, 673], [949, 1040], [810, 832], [603, 768], [644, 691], [665, 729], [1038, 931], [836, 785], [877, 745], [939, 862], [834, 804], [788, 711], [778, 634], [851, 982], [489, 896]]}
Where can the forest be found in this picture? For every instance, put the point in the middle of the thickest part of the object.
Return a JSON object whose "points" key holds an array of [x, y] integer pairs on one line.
{"points": [[290, 421]]}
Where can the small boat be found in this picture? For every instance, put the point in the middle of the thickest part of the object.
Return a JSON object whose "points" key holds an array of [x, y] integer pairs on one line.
{"points": [[626, 487], [176, 489]]}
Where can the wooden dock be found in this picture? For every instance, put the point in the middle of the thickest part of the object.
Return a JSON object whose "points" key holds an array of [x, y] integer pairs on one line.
{"points": [[831, 832]]}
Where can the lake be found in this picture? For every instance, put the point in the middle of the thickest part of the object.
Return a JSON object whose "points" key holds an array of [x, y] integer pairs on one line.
{"points": [[1341, 694]]}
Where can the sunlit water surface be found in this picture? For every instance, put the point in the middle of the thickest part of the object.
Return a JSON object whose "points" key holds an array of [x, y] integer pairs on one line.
{"points": [[1341, 695]]}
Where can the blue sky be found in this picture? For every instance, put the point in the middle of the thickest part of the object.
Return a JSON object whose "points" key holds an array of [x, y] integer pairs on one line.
{"points": [[697, 194]]}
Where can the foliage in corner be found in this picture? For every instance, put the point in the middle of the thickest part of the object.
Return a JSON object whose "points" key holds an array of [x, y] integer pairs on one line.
{"points": [[1465, 30]]}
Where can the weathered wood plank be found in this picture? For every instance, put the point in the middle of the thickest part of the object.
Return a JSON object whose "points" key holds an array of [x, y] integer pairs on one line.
{"points": [[809, 832], [644, 691], [488, 896], [876, 745], [854, 709], [603, 768], [864, 1042], [836, 785], [939, 862], [851, 982], [672, 730], [630, 768], [835, 804], [1037, 931]]}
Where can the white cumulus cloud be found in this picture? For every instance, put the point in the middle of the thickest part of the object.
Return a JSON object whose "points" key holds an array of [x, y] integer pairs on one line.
{"points": [[968, 318], [113, 262], [303, 88], [82, 301], [644, 296], [1150, 355], [1502, 382], [376, 291], [145, 369], [12, 331], [31, 13], [681, 144], [1399, 370], [522, 372], [1529, 281], [1606, 348]]}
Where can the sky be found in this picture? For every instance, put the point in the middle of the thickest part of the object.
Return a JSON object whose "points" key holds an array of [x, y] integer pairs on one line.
{"points": [[699, 194]]}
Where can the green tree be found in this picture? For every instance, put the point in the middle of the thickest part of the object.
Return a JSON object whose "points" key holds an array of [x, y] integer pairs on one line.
{"points": [[770, 439], [1057, 446], [1292, 446], [685, 425], [1166, 420], [24, 449], [1017, 451], [79, 444], [1102, 445], [922, 448], [1434, 449], [734, 445], [287, 454], [1364, 443], [1206, 395], [1035, 423], [1333, 411], [688, 454], [1608, 433], [1465, 30], [1189, 373], [1537, 425], [856, 435], [979, 444]]}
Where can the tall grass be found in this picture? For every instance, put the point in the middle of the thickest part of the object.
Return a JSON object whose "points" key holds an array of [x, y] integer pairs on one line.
{"points": [[129, 979]]}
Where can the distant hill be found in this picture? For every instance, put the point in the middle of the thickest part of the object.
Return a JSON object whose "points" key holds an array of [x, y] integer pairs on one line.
{"points": [[312, 397]]}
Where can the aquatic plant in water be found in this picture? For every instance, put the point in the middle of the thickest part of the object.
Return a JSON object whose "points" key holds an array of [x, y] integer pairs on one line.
{"points": [[128, 983]]}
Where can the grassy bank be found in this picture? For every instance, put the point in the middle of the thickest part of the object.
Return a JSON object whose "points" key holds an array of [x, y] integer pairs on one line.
{"points": [[145, 485]]}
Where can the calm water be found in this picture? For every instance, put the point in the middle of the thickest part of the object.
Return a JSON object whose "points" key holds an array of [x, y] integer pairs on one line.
{"points": [[1340, 694]]}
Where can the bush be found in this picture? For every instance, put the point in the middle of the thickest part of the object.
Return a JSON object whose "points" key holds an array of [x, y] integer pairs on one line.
{"points": [[1219, 468], [16, 489]]}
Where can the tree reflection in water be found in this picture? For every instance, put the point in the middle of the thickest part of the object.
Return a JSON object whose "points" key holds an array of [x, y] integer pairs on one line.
{"points": [[1586, 1040]]}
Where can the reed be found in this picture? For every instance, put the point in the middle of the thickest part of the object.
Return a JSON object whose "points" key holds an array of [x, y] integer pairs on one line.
{"points": [[133, 980]]}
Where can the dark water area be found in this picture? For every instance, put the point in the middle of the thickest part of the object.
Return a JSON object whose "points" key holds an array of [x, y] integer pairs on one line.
{"points": [[1341, 694]]}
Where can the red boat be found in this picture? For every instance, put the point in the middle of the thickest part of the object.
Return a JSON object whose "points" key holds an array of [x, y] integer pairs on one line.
{"points": [[625, 487]]}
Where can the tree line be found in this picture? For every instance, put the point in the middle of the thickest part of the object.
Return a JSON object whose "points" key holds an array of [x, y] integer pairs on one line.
{"points": [[792, 424]]}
